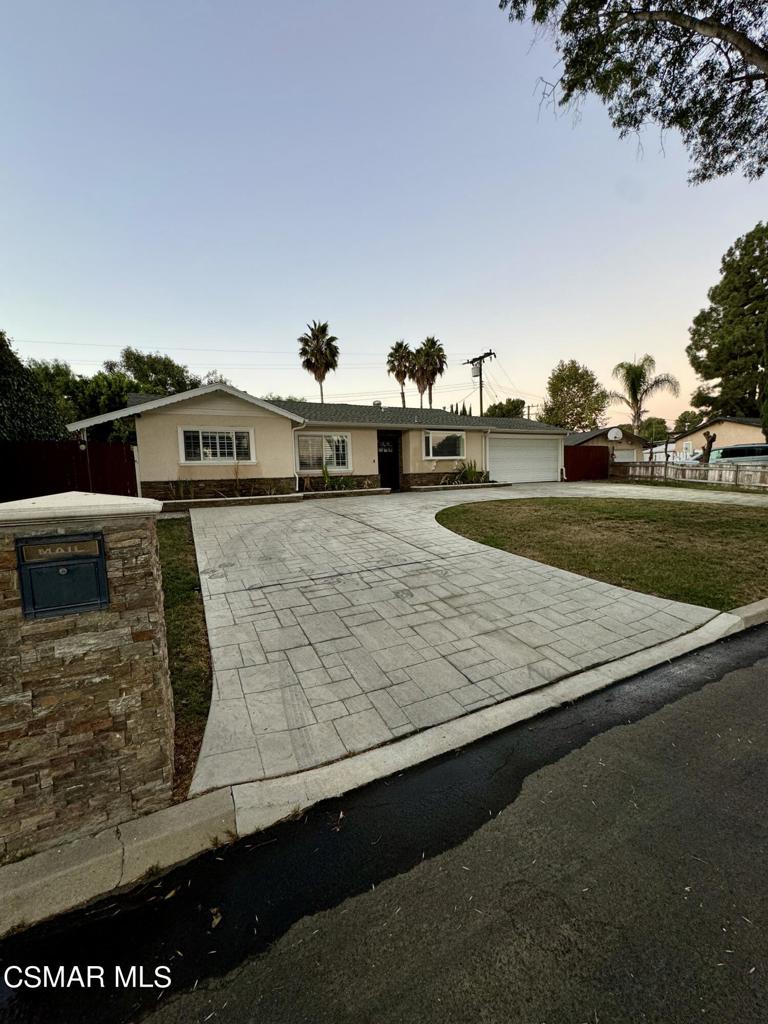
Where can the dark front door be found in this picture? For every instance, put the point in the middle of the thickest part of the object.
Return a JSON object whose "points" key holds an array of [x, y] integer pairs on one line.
{"points": [[389, 459]]}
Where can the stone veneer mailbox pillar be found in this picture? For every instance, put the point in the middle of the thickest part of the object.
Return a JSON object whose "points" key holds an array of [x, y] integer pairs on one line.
{"points": [[86, 709]]}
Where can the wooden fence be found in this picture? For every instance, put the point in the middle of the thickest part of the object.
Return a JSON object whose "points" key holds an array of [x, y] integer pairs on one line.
{"points": [[734, 474], [31, 468], [587, 461]]}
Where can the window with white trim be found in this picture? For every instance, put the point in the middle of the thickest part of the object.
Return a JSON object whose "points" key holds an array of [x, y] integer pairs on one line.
{"points": [[442, 444], [317, 450], [206, 445]]}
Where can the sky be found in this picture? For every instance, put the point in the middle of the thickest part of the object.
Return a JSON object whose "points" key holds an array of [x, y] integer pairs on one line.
{"points": [[203, 177]]}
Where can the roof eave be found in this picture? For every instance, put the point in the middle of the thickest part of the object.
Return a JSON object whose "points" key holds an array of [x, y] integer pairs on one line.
{"points": [[358, 424], [181, 396]]}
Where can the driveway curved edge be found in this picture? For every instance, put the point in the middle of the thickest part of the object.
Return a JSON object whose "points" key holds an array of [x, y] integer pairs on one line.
{"points": [[337, 628]]}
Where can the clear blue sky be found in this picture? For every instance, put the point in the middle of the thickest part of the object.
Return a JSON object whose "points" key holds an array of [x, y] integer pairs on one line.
{"points": [[204, 176]]}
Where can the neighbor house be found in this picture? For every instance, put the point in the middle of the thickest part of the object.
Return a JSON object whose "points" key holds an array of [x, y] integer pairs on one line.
{"points": [[217, 441], [627, 448], [728, 430]]}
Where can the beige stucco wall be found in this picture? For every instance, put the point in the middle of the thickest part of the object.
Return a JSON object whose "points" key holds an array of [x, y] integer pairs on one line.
{"points": [[727, 433], [414, 461], [157, 434]]}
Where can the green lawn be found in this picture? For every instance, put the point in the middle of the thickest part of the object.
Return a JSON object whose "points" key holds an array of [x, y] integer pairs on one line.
{"points": [[702, 554], [188, 654]]}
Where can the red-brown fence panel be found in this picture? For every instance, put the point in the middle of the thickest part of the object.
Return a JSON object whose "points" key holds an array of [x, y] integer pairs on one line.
{"points": [[587, 462], [31, 468]]}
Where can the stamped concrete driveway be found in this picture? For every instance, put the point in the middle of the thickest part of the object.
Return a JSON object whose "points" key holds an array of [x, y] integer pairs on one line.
{"points": [[338, 625]]}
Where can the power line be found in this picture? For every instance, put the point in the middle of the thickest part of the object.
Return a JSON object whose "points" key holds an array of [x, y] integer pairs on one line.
{"points": [[171, 348], [516, 390]]}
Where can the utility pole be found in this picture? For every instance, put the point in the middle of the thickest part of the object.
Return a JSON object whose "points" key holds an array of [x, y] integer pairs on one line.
{"points": [[477, 370]]}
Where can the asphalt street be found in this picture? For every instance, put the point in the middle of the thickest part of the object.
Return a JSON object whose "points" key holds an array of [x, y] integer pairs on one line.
{"points": [[626, 883], [603, 864]]}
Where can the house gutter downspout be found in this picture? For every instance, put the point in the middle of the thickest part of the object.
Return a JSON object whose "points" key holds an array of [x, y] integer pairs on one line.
{"points": [[487, 446], [293, 443]]}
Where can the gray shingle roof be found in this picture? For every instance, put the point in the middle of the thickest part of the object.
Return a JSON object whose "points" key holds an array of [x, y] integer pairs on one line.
{"points": [[581, 436], [336, 414], [747, 421]]}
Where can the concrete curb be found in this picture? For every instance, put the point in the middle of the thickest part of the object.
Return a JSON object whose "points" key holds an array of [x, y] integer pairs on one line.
{"points": [[61, 879], [68, 876], [752, 614]]}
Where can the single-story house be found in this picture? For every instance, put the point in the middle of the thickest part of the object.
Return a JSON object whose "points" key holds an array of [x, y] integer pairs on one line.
{"points": [[216, 440], [728, 429], [627, 448]]}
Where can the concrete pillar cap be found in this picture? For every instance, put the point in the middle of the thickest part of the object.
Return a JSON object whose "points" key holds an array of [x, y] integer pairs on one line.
{"points": [[76, 505]]}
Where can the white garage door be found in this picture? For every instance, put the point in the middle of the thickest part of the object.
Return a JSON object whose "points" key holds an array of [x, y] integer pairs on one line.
{"points": [[520, 460]]}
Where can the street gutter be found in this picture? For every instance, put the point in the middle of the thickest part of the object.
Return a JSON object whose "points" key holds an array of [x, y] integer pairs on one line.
{"points": [[207, 917], [61, 879]]}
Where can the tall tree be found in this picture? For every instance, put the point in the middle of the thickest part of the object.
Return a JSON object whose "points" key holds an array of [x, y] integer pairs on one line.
{"points": [[319, 352], [432, 361], [575, 398], [28, 412], [153, 372], [729, 339], [58, 377], [640, 382], [399, 363], [511, 408], [699, 67], [653, 428], [687, 421], [420, 373]]}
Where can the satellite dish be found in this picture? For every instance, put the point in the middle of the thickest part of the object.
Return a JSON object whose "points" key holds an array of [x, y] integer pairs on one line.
{"points": [[614, 434]]}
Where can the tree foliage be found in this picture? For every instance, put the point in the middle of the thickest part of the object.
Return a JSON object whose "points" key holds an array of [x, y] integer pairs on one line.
{"points": [[653, 428], [640, 382], [58, 378], [79, 397], [512, 408], [688, 420], [271, 396], [729, 339], [400, 365], [29, 411], [700, 68], [319, 352], [575, 398], [428, 363], [153, 373]]}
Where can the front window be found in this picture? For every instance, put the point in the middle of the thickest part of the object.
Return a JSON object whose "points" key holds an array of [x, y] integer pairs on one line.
{"points": [[216, 445], [316, 451], [443, 445]]}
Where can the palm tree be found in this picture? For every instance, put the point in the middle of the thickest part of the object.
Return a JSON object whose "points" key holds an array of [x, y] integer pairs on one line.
{"points": [[419, 373], [399, 365], [432, 358], [640, 383], [319, 352]]}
